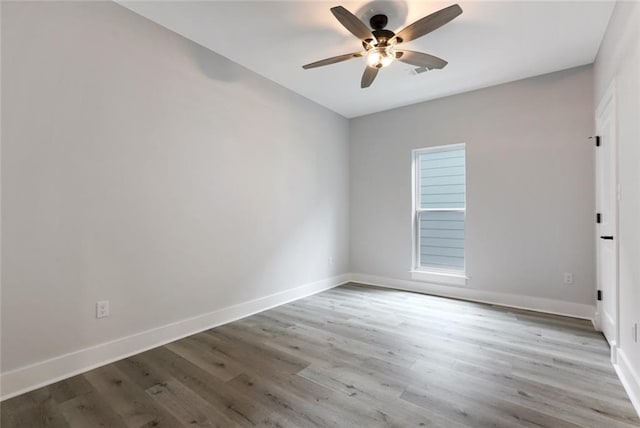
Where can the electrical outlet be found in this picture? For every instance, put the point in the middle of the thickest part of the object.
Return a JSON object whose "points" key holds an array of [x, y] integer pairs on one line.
{"points": [[102, 309], [330, 260], [568, 278]]}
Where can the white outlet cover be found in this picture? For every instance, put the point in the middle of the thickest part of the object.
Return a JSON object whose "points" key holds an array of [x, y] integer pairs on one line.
{"points": [[102, 309]]}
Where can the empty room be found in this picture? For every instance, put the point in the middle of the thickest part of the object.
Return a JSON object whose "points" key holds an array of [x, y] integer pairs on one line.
{"points": [[319, 214]]}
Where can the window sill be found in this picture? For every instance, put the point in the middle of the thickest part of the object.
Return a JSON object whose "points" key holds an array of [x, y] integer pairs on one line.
{"points": [[447, 278]]}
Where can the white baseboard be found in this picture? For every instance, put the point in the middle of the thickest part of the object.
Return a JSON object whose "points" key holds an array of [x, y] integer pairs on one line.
{"points": [[629, 377], [596, 321], [28, 378], [557, 307]]}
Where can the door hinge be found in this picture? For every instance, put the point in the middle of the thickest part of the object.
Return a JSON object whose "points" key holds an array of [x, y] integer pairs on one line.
{"points": [[599, 295], [598, 217], [597, 138]]}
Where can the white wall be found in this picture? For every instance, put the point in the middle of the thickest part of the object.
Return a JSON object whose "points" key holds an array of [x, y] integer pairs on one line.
{"points": [[530, 175], [619, 60], [141, 168]]}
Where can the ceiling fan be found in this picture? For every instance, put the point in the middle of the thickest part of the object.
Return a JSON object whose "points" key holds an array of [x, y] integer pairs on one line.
{"points": [[380, 44]]}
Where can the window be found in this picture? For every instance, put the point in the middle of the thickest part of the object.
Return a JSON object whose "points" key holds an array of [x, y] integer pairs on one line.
{"points": [[439, 210]]}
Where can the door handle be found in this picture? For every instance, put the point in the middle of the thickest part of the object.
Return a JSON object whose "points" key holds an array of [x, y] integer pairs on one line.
{"points": [[607, 237]]}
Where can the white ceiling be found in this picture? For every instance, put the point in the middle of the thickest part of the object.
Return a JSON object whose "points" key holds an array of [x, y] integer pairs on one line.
{"points": [[489, 44]]}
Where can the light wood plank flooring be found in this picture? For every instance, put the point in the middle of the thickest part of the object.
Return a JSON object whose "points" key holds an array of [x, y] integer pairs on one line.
{"points": [[352, 357]]}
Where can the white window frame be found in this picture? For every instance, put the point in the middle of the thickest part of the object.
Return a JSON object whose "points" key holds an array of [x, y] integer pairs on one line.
{"points": [[435, 275]]}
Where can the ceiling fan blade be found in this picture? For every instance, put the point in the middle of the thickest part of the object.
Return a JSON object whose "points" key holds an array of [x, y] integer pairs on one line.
{"points": [[333, 60], [420, 59], [429, 23], [352, 23], [368, 76]]}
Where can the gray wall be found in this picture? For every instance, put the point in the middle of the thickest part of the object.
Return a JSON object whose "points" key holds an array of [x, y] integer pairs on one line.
{"points": [[141, 168], [619, 59], [530, 175]]}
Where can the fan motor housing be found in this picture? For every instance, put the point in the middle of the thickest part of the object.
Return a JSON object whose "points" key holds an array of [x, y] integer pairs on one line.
{"points": [[378, 22], [382, 36]]}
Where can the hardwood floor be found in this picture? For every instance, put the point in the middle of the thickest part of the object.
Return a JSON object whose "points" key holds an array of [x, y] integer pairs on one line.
{"points": [[353, 357]]}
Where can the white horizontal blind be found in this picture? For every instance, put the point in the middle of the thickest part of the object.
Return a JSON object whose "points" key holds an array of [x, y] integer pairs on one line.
{"points": [[440, 203]]}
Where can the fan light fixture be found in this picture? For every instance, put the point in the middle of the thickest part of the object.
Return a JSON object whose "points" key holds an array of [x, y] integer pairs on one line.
{"points": [[379, 57], [380, 44]]}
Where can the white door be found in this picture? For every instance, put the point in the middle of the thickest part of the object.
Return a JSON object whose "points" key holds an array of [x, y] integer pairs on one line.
{"points": [[606, 205]]}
